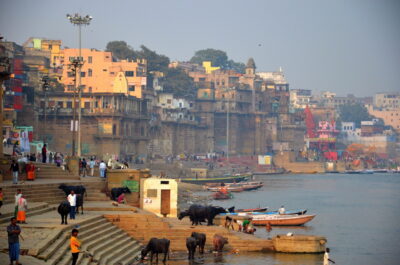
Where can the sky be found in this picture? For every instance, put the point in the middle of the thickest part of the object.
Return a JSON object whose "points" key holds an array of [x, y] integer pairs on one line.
{"points": [[343, 46]]}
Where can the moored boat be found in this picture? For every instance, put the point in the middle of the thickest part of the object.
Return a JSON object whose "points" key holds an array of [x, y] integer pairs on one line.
{"points": [[250, 213], [282, 220], [223, 179], [255, 210]]}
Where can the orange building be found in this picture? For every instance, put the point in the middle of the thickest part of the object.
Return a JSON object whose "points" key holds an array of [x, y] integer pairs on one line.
{"points": [[390, 116], [100, 74]]}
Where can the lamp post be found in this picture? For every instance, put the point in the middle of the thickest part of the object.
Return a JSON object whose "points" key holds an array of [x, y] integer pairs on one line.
{"points": [[5, 73], [79, 21], [75, 64], [45, 86]]}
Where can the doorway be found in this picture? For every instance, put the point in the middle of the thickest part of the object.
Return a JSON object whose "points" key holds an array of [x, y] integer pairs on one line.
{"points": [[165, 202]]}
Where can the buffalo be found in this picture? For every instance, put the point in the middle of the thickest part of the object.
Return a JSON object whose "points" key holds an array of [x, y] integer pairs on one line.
{"points": [[219, 242], [115, 192], [201, 240], [156, 246], [63, 209], [197, 213], [186, 213], [80, 191], [191, 244]]}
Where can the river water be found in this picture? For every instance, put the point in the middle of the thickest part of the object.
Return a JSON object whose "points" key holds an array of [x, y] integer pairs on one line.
{"points": [[359, 215]]}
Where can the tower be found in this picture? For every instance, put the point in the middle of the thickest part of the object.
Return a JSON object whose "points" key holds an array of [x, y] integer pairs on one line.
{"points": [[250, 67]]}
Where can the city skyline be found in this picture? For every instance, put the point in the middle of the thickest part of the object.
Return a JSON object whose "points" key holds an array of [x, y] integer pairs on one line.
{"points": [[323, 46]]}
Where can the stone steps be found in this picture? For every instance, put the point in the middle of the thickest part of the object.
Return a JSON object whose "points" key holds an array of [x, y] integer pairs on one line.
{"points": [[104, 241], [36, 210]]}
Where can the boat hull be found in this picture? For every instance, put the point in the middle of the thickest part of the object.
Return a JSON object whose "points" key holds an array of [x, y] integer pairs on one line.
{"points": [[282, 220]]}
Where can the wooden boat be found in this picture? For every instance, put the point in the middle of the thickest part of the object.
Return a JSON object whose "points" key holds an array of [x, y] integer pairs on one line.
{"points": [[237, 188], [241, 213], [223, 179], [221, 196], [283, 220], [256, 210]]}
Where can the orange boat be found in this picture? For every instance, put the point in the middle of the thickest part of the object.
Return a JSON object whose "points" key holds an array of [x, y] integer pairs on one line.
{"points": [[277, 219]]}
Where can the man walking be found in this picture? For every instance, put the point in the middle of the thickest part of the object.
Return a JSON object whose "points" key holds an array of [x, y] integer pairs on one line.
{"points": [[72, 202], [14, 169], [75, 245], [84, 167], [44, 153], [13, 231], [102, 168], [92, 163]]}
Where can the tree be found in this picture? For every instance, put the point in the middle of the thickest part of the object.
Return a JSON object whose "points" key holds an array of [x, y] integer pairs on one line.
{"points": [[237, 66], [179, 83], [155, 61], [121, 50], [354, 113], [217, 57]]}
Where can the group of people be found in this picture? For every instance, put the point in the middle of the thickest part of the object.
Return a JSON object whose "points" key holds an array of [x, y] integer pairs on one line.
{"points": [[245, 226], [87, 168]]}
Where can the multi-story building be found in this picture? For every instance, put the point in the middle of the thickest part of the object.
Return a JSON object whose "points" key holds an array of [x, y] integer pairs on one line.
{"points": [[390, 116], [387, 100], [300, 98]]}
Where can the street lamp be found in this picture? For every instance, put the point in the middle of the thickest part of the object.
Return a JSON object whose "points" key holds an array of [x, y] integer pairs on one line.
{"points": [[74, 65], [45, 86], [78, 20]]}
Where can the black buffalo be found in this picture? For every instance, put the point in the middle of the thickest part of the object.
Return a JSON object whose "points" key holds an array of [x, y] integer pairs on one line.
{"points": [[186, 213], [191, 244], [115, 192], [77, 189], [80, 191], [63, 209], [201, 240], [156, 246], [197, 213]]}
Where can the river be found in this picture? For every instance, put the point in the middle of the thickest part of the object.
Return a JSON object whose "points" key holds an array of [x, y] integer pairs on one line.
{"points": [[359, 215]]}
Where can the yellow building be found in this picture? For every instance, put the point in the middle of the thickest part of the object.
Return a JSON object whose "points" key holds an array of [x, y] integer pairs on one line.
{"points": [[209, 68], [53, 46], [100, 74]]}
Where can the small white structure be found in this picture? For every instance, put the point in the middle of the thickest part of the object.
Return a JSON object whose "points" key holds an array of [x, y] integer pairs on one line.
{"points": [[159, 196]]}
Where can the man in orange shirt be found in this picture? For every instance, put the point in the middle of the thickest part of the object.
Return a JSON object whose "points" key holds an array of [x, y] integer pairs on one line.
{"points": [[75, 245]]}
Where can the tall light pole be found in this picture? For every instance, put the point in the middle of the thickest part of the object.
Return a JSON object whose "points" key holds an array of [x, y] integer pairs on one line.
{"points": [[79, 21], [45, 86]]}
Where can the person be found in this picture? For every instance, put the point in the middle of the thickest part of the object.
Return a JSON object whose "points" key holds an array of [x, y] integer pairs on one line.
{"points": [[13, 231], [239, 224], [44, 153], [121, 198], [14, 169], [30, 171], [1, 198], [228, 223], [17, 197], [51, 156], [75, 245], [281, 210], [102, 168], [223, 189], [92, 163], [268, 227], [84, 167], [22, 207], [326, 257], [245, 224], [72, 202]]}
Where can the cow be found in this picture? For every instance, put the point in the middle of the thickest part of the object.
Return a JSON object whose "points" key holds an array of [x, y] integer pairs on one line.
{"points": [[191, 244], [219, 242], [63, 209], [197, 213], [201, 240], [77, 189], [80, 191], [115, 192], [156, 246]]}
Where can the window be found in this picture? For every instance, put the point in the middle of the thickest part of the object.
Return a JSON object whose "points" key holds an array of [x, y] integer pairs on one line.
{"points": [[164, 182], [152, 193], [60, 104], [169, 101], [70, 74], [70, 88], [114, 129], [90, 59], [129, 73], [50, 47], [131, 88], [87, 105], [83, 74], [69, 104], [90, 72]]}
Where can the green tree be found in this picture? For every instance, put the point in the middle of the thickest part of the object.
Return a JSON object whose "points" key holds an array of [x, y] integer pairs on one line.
{"points": [[237, 66], [217, 57], [155, 61], [353, 113], [121, 50], [179, 83]]}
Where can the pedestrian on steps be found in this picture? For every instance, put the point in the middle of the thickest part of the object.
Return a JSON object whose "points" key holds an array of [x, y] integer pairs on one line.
{"points": [[84, 167], [102, 168], [18, 195], [14, 168], [22, 208], [72, 202], [13, 231], [92, 163], [44, 153], [75, 246]]}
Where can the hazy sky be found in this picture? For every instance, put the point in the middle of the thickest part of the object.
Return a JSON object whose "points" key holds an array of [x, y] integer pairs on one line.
{"points": [[345, 46]]}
